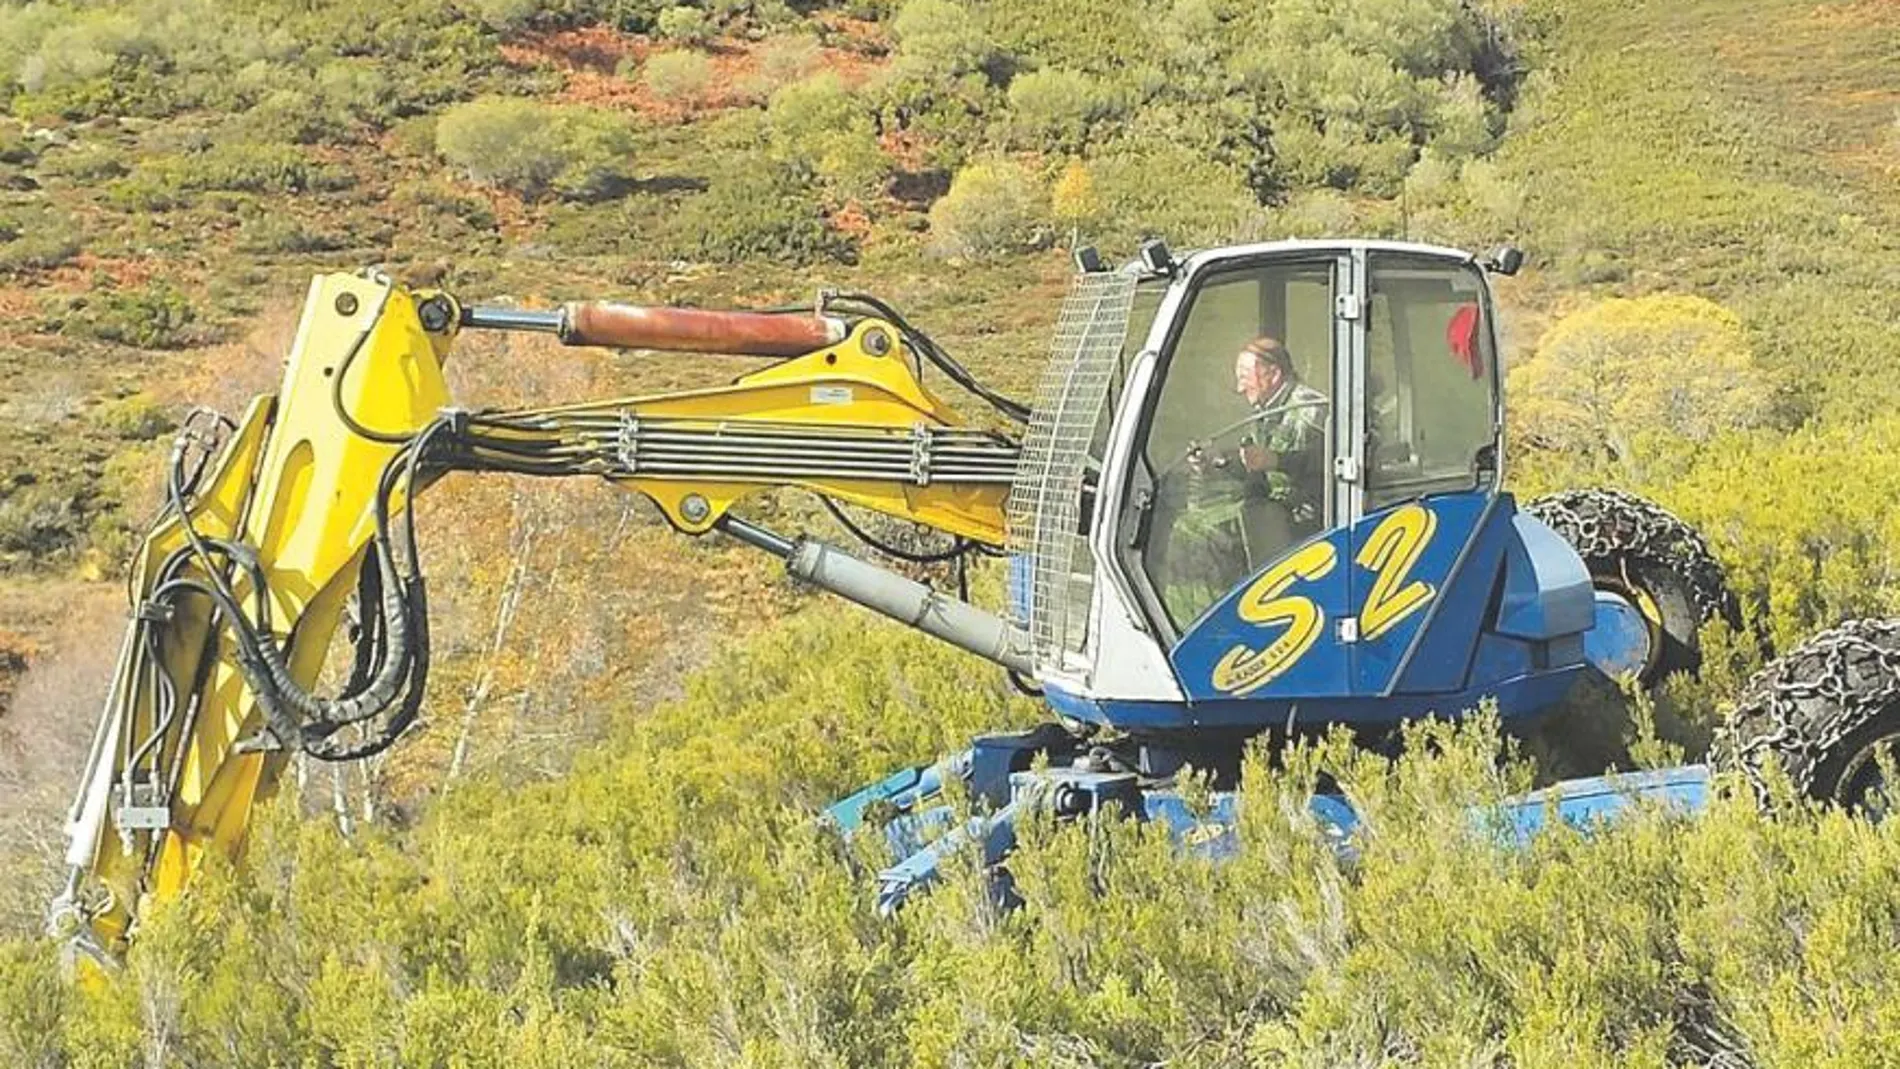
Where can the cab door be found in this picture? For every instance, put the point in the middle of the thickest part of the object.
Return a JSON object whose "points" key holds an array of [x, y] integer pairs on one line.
{"points": [[1427, 444], [1235, 547]]}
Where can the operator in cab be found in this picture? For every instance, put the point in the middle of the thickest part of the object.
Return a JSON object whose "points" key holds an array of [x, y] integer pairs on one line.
{"points": [[1255, 490], [1277, 464]]}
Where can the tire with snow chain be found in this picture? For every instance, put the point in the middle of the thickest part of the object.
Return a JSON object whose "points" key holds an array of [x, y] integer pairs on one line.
{"points": [[1647, 556], [1823, 711]]}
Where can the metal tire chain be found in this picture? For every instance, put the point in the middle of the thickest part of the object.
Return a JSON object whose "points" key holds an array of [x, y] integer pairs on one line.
{"points": [[1803, 705], [1604, 524]]}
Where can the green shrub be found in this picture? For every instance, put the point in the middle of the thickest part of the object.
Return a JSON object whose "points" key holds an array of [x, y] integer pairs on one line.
{"points": [[506, 14], [259, 168], [358, 90], [84, 163], [1200, 202], [939, 39], [1054, 109], [536, 149], [433, 201], [152, 316], [290, 115], [36, 241], [280, 232], [1343, 156], [786, 59], [37, 519], [146, 189], [757, 208], [1462, 120], [679, 77], [1101, 37], [140, 417], [168, 182], [820, 124], [685, 25], [674, 901], [993, 207]]}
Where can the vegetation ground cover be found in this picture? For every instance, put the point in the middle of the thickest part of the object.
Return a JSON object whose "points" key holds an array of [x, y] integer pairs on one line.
{"points": [[581, 860]]}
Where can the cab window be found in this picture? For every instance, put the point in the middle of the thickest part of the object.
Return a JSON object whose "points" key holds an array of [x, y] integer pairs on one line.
{"points": [[1239, 439], [1432, 417]]}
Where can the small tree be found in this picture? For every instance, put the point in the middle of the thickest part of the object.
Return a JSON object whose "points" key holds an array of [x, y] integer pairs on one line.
{"points": [[993, 207], [678, 77], [536, 149], [821, 124], [939, 38], [1053, 108], [685, 24], [1609, 375]]}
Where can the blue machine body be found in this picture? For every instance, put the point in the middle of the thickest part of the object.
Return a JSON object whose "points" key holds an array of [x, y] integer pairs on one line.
{"points": [[1425, 591], [1497, 605]]}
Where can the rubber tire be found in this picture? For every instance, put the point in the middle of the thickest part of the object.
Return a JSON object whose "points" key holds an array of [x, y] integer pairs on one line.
{"points": [[1822, 710], [1639, 549]]}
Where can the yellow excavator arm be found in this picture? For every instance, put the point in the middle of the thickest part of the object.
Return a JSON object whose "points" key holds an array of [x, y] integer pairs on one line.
{"points": [[273, 522]]}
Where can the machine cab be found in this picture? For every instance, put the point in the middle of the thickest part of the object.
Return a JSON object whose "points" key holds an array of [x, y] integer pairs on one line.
{"points": [[1294, 459]]}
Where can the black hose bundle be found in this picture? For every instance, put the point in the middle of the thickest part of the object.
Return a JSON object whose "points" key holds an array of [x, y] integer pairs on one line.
{"points": [[864, 303], [391, 663]]}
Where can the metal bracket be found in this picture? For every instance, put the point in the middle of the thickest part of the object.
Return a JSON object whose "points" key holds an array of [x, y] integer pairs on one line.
{"points": [[627, 442], [920, 454], [1346, 469], [144, 817], [1348, 306], [148, 810]]}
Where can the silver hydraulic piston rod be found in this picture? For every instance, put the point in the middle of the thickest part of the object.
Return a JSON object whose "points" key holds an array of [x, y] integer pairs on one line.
{"points": [[957, 622]]}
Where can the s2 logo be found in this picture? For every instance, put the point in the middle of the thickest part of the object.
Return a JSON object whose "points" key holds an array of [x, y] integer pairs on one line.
{"points": [[1390, 553], [1243, 670]]}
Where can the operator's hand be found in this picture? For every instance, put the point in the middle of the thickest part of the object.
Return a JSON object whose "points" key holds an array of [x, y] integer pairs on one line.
{"points": [[1255, 458]]}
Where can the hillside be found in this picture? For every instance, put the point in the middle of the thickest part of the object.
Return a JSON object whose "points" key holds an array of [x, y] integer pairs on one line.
{"points": [[599, 849]]}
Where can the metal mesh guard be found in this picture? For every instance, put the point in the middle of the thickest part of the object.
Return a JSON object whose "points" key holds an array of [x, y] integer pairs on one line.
{"points": [[1045, 520]]}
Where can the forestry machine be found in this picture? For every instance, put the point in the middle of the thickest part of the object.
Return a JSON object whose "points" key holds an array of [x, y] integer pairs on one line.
{"points": [[1259, 490]]}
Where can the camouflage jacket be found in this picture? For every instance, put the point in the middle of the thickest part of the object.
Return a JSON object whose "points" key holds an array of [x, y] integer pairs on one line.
{"points": [[1293, 420], [1292, 426]]}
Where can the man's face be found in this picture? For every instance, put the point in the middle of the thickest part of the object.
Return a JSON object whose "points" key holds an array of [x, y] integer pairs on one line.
{"points": [[1254, 378]]}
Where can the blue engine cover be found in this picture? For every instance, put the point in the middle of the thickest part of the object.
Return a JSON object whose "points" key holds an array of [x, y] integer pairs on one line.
{"points": [[1427, 606]]}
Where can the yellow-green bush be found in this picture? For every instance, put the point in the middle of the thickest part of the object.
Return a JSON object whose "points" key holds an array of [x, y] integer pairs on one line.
{"points": [[152, 316], [674, 901], [1202, 201], [939, 39], [35, 240], [685, 24], [1053, 109], [994, 207], [819, 124], [534, 148], [1627, 377], [681, 77], [759, 208]]}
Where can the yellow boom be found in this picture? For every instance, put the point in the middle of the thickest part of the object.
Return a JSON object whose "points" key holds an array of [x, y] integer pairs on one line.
{"points": [[238, 591]]}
